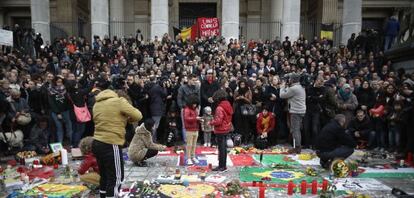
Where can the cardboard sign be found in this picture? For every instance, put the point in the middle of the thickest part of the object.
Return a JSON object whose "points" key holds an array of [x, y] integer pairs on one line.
{"points": [[208, 27], [6, 37]]}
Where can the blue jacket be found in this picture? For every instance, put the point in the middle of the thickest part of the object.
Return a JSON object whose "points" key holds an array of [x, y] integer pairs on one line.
{"points": [[392, 28]]}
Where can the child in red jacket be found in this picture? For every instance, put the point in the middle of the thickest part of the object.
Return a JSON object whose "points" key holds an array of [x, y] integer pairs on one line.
{"points": [[191, 126], [88, 170]]}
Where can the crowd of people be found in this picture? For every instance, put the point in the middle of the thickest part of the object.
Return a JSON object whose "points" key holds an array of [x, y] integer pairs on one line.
{"points": [[280, 91]]}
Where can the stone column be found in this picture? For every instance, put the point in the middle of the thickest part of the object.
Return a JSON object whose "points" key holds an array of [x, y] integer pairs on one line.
{"points": [[276, 15], [230, 19], [291, 19], [116, 13], [40, 12], [159, 18], [99, 18], [351, 19]]}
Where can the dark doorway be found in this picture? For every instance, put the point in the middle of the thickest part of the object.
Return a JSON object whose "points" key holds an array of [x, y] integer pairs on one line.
{"points": [[189, 12]]}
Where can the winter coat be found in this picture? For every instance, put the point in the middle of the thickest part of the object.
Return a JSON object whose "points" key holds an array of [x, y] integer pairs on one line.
{"points": [[392, 28], [222, 118], [89, 161], [110, 114], [314, 99], [207, 90], [333, 136], [350, 105], [365, 97], [184, 91], [157, 95], [296, 96], [260, 127], [140, 144], [190, 119], [365, 126], [205, 127], [58, 103]]}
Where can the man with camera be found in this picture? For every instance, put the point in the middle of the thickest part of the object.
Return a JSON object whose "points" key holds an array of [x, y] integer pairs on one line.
{"points": [[293, 91]]}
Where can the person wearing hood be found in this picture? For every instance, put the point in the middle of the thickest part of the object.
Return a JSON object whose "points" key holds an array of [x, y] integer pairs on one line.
{"points": [[347, 102], [110, 115], [222, 126], [142, 147]]}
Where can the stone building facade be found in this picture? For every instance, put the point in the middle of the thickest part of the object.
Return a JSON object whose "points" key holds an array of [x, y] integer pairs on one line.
{"points": [[252, 19]]}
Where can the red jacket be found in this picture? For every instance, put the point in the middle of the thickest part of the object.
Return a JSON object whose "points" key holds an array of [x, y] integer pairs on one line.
{"points": [[261, 128], [222, 118], [190, 119], [88, 162]]}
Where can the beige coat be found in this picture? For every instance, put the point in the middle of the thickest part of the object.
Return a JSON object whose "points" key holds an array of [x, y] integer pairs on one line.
{"points": [[141, 142]]}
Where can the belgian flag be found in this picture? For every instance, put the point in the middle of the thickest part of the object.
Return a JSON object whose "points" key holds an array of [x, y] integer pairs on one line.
{"points": [[187, 33], [327, 31]]}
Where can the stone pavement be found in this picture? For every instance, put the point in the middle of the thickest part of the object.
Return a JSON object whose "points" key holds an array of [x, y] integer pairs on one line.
{"points": [[166, 165]]}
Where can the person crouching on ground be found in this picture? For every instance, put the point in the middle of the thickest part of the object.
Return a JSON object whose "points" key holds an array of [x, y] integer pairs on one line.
{"points": [[265, 124], [222, 126], [333, 142], [88, 170], [142, 147], [191, 126]]}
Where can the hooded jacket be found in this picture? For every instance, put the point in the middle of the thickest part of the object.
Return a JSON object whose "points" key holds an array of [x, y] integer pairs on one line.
{"points": [[110, 114], [222, 118], [140, 144]]}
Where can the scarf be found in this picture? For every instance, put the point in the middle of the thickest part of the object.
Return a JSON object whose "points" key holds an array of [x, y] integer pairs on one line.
{"points": [[265, 122], [344, 95], [55, 90], [210, 80]]}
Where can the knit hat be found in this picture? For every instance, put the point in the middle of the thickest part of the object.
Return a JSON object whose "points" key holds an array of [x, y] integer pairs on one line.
{"points": [[207, 109]]}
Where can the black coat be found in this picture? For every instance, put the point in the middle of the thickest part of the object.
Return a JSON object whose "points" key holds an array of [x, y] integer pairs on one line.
{"points": [[207, 90], [314, 98], [333, 136], [366, 97], [157, 95], [364, 126]]}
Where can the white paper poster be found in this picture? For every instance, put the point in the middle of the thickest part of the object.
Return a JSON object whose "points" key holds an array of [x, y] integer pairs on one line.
{"points": [[6, 37], [360, 184]]}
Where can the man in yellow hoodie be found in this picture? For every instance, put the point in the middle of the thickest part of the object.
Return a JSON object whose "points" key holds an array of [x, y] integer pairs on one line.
{"points": [[111, 114]]}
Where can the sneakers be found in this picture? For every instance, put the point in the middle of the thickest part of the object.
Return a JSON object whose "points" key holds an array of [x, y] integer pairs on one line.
{"points": [[189, 162], [195, 160], [205, 145], [219, 169]]}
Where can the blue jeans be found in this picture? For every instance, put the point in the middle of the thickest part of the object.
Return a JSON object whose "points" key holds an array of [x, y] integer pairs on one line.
{"points": [[59, 126], [394, 136], [389, 40], [78, 133]]}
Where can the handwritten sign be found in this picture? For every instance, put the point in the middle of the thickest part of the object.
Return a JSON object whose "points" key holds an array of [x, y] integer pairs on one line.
{"points": [[208, 27], [360, 184], [6, 37]]}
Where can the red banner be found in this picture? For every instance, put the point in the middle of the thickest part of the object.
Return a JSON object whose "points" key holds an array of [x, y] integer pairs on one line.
{"points": [[208, 27]]}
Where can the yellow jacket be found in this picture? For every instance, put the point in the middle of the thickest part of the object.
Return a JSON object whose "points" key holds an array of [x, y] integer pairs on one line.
{"points": [[111, 114]]}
